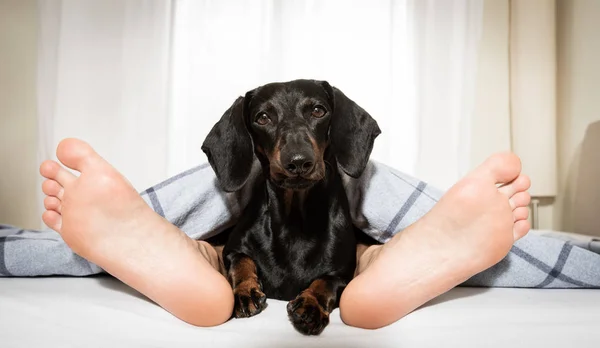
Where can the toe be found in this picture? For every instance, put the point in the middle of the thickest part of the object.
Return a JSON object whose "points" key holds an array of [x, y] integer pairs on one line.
{"points": [[75, 154], [520, 199], [520, 184], [52, 188], [521, 228], [53, 171], [53, 203], [501, 167], [521, 213], [52, 219]]}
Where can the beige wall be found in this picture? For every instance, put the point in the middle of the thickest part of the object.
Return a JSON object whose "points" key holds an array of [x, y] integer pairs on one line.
{"points": [[578, 201], [491, 123], [18, 128], [578, 26]]}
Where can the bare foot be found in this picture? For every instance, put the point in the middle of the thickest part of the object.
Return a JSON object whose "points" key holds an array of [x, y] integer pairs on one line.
{"points": [[103, 219], [471, 228]]}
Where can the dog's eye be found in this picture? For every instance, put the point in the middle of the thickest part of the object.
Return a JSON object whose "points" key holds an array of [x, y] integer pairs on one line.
{"points": [[318, 111], [262, 119]]}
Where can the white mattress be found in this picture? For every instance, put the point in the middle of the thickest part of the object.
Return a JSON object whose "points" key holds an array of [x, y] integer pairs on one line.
{"points": [[101, 312]]}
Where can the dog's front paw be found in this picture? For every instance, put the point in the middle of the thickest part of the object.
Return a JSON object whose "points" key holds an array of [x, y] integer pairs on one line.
{"points": [[307, 315], [249, 300]]}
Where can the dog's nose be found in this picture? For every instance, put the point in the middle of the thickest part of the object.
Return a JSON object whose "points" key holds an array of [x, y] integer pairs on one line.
{"points": [[299, 164]]}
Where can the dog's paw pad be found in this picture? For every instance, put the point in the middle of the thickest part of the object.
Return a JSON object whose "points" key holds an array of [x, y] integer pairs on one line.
{"points": [[307, 315]]}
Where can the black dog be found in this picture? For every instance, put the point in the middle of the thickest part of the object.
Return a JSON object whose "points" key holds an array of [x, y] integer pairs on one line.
{"points": [[295, 240]]}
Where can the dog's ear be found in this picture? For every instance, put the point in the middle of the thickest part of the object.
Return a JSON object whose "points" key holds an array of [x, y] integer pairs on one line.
{"points": [[229, 147], [352, 132]]}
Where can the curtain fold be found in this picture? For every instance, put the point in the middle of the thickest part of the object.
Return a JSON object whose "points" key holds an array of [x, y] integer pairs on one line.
{"points": [[103, 77], [446, 39]]}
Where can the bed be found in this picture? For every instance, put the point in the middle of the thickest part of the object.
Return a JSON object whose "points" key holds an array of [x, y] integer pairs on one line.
{"points": [[99, 311]]}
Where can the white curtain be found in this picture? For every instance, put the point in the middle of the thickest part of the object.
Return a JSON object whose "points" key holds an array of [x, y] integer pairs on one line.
{"points": [[446, 41], [410, 63], [144, 81], [224, 48], [103, 77]]}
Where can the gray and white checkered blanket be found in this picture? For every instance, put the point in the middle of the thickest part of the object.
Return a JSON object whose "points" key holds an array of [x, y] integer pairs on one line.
{"points": [[383, 202]]}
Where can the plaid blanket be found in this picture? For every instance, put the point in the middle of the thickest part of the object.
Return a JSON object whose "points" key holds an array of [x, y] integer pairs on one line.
{"points": [[383, 202]]}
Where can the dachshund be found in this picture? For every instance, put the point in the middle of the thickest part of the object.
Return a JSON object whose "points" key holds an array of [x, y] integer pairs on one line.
{"points": [[295, 240]]}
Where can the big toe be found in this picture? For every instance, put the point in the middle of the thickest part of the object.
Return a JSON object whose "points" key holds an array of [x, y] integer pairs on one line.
{"points": [[75, 154], [502, 167]]}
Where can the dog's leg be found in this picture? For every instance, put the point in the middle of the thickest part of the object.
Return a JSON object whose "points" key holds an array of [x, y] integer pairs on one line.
{"points": [[309, 312], [249, 298]]}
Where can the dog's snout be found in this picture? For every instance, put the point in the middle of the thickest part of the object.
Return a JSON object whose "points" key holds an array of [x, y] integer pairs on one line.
{"points": [[297, 152], [299, 164]]}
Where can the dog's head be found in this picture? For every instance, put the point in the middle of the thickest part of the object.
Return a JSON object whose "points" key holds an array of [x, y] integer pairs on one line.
{"points": [[289, 126]]}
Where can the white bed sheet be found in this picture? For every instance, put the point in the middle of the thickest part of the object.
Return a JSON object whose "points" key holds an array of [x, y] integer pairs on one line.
{"points": [[102, 312]]}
